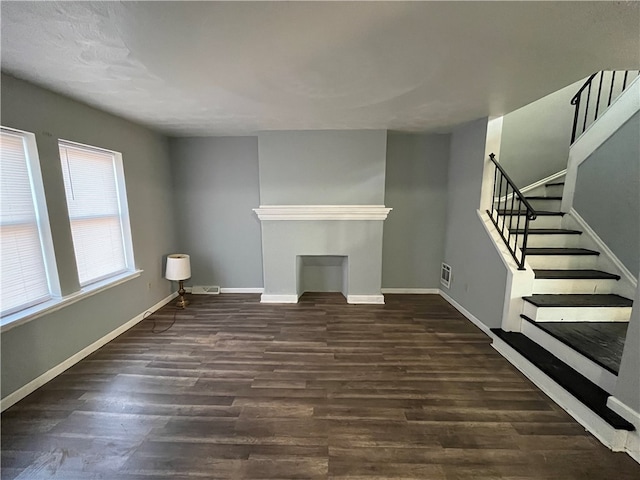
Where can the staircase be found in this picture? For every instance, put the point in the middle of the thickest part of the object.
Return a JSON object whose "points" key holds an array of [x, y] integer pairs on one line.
{"points": [[574, 322]]}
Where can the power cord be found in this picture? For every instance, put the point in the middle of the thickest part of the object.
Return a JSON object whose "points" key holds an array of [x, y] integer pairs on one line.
{"points": [[148, 314]]}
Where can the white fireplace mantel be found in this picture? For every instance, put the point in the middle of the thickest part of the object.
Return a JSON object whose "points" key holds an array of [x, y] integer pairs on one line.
{"points": [[322, 212]]}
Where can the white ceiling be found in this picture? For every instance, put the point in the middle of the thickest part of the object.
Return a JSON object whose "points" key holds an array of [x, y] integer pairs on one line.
{"points": [[209, 68]]}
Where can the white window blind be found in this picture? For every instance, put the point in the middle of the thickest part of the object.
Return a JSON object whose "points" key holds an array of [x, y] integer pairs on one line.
{"points": [[97, 211], [23, 269]]}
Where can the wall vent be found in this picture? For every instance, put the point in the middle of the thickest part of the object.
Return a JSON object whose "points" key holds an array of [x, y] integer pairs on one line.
{"points": [[205, 290], [445, 275]]}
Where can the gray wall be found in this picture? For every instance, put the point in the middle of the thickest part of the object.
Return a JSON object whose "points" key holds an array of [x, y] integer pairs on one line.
{"points": [[31, 349], [607, 193], [535, 138], [216, 187], [416, 189], [325, 167], [478, 278]]}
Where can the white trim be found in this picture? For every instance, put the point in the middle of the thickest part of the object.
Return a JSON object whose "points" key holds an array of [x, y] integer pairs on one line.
{"points": [[365, 299], [603, 248], [50, 306], [467, 314], [583, 365], [615, 116], [50, 374], [609, 436], [539, 183], [625, 411], [277, 298], [414, 291], [242, 290], [322, 212]]}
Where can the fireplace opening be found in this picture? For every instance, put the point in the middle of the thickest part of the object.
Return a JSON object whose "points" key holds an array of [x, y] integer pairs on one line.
{"points": [[322, 273]]}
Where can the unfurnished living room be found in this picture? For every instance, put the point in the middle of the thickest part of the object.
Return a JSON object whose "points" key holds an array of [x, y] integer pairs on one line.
{"points": [[320, 240]]}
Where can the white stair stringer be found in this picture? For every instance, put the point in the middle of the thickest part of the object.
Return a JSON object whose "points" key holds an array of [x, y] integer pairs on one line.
{"points": [[574, 285], [583, 365], [609, 436], [576, 314]]}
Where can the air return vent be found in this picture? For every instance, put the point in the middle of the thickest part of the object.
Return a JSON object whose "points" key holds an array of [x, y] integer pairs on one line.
{"points": [[205, 290], [445, 275]]}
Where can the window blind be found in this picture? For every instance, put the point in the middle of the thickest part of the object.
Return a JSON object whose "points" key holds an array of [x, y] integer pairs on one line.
{"points": [[91, 187], [22, 269]]}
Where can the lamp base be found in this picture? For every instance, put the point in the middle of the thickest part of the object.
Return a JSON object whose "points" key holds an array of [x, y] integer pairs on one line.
{"points": [[182, 302]]}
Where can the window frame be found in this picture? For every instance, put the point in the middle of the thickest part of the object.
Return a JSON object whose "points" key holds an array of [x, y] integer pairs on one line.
{"points": [[42, 222], [123, 212]]}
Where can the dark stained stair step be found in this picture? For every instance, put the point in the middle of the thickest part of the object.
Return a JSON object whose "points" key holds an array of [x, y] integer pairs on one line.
{"points": [[600, 342], [554, 184], [543, 198], [579, 300], [575, 274], [559, 251], [548, 231], [540, 213], [587, 392]]}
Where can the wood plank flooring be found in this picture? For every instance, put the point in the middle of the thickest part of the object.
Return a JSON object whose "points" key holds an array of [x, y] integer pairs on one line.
{"points": [[321, 389]]}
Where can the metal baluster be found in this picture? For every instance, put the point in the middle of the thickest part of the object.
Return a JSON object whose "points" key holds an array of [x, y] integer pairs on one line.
{"points": [[598, 100], [493, 200], [503, 211], [613, 80], [518, 223], [586, 108], [575, 119], [524, 241], [513, 197], [624, 82]]}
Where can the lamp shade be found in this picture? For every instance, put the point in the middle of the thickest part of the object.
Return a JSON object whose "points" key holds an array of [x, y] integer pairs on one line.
{"points": [[178, 267]]}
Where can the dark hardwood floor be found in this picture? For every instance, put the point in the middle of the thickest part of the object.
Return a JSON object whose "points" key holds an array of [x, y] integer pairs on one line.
{"points": [[321, 389]]}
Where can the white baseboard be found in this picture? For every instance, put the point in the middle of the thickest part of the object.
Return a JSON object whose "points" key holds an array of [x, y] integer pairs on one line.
{"points": [[271, 298], [467, 314], [605, 433], [632, 446], [603, 248], [625, 411], [242, 290], [36, 383], [414, 291], [365, 299], [234, 290]]}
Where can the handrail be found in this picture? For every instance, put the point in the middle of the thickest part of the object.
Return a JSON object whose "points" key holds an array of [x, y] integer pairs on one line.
{"points": [[512, 235], [581, 120], [576, 97], [492, 156]]}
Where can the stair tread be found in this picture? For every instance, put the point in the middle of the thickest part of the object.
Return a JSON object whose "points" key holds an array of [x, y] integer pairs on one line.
{"points": [[540, 213], [540, 197], [600, 342], [575, 274], [559, 251], [579, 300], [554, 184], [548, 231], [587, 392]]}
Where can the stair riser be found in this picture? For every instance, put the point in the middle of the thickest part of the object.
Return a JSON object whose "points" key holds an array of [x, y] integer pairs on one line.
{"points": [[576, 314], [547, 205], [551, 241], [583, 365], [562, 262], [554, 191], [559, 286], [539, 222]]}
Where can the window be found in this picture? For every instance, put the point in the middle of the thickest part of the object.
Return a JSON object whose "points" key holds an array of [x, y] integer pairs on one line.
{"points": [[27, 268], [98, 212]]}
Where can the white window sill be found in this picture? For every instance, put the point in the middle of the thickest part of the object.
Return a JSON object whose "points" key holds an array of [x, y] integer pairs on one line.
{"points": [[31, 313]]}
